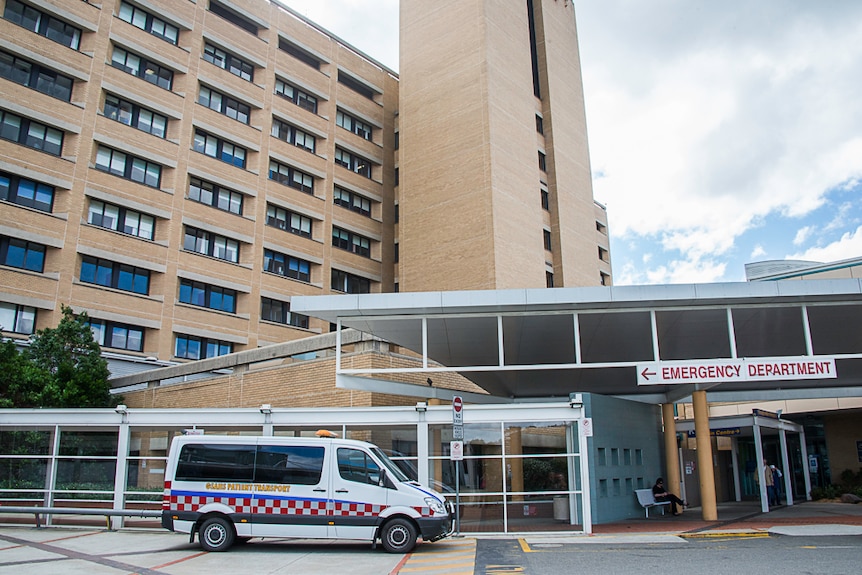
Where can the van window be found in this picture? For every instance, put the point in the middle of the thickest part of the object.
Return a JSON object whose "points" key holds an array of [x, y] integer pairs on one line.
{"points": [[269, 464], [289, 464], [356, 465], [214, 462]]}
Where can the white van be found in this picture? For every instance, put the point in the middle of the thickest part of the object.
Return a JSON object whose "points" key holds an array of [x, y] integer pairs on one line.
{"points": [[233, 488]]}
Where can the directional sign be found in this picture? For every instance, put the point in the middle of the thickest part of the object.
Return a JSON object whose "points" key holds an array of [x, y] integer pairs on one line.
{"points": [[733, 370]]}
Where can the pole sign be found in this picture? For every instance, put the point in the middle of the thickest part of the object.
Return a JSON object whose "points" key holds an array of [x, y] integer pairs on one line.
{"points": [[733, 370], [457, 417], [456, 450]]}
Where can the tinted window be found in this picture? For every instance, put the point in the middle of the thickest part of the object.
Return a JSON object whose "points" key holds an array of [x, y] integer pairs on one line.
{"points": [[213, 462], [289, 464], [356, 465]]}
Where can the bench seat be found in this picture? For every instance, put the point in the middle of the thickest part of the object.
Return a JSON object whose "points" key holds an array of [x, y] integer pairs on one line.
{"points": [[647, 500]]}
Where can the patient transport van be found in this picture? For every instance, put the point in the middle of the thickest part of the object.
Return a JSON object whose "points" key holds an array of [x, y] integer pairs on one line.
{"points": [[231, 488]]}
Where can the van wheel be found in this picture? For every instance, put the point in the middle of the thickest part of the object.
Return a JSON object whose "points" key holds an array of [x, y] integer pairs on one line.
{"points": [[216, 534], [398, 536]]}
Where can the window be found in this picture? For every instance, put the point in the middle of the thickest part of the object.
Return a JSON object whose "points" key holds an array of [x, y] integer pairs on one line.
{"points": [[224, 104], [397, 176], [279, 312], [543, 164], [121, 219], [17, 318], [351, 124], [601, 228], [604, 279], [135, 116], [349, 283], [355, 85], [352, 162], [30, 133], [149, 23], [229, 62], [546, 200], [205, 295], [117, 335], [142, 68], [397, 252], [356, 465], [215, 195], [189, 347], [287, 266], [42, 24], [210, 244], [397, 140], [18, 253], [128, 166], [351, 201], [351, 242], [549, 279], [300, 54], [291, 177], [233, 17], [540, 124], [219, 149], [26, 192], [36, 77], [288, 221], [287, 464], [603, 254], [546, 238], [293, 135], [295, 95], [115, 275]]}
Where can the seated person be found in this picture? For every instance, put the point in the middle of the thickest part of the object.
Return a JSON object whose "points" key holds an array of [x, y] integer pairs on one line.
{"points": [[661, 494]]}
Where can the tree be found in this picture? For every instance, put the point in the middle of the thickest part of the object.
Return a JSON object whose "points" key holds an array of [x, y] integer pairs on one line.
{"points": [[63, 367]]}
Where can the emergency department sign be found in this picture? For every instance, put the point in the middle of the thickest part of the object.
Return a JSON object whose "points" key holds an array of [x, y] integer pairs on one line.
{"points": [[731, 370]]}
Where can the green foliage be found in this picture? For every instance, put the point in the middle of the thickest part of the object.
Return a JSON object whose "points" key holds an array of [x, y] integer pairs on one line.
{"points": [[63, 367], [849, 482]]}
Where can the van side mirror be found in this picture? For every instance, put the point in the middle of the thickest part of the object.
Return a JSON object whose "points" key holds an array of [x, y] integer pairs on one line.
{"points": [[382, 481]]}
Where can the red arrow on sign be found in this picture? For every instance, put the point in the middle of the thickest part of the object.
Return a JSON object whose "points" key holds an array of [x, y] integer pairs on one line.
{"points": [[645, 373]]}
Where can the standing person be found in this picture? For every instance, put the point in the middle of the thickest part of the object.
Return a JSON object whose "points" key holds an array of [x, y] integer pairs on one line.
{"points": [[776, 480], [661, 494], [769, 480]]}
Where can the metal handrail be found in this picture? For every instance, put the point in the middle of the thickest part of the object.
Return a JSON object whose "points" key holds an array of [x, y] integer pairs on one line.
{"points": [[107, 513]]}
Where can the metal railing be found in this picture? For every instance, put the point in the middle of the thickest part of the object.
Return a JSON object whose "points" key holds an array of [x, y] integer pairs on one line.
{"points": [[38, 512]]}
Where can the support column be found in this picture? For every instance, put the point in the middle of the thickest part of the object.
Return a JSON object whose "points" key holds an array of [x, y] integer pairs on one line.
{"points": [[704, 456], [671, 450]]}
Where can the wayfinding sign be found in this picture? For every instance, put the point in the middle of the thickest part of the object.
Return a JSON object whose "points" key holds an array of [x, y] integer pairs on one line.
{"points": [[733, 370]]}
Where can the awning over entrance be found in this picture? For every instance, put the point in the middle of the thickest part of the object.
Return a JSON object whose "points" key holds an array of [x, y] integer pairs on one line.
{"points": [[553, 342]]}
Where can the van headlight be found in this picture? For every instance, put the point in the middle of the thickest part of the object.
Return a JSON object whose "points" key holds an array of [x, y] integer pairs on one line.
{"points": [[435, 505]]}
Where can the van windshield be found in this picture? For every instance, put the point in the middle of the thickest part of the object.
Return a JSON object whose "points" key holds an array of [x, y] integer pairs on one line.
{"points": [[392, 468]]}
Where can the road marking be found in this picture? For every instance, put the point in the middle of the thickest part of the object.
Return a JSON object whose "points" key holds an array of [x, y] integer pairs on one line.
{"points": [[503, 569], [739, 535], [525, 547], [452, 557]]}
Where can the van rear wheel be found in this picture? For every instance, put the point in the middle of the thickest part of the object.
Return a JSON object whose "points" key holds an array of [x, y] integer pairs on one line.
{"points": [[216, 534], [398, 535]]}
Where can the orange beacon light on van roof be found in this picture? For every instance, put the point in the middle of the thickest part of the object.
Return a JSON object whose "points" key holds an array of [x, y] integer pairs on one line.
{"points": [[326, 433]]}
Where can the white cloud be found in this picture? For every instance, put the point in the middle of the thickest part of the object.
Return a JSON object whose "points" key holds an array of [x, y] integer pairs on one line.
{"points": [[849, 246], [802, 234], [757, 252]]}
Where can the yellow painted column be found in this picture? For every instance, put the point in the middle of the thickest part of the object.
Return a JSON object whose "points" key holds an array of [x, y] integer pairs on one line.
{"points": [[516, 464], [704, 456], [671, 450], [436, 440]]}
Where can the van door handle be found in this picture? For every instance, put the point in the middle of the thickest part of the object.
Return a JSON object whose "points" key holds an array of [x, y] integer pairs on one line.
{"points": [[319, 490], [342, 491]]}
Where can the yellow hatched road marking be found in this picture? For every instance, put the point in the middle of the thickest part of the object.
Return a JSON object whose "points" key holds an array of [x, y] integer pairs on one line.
{"points": [[443, 568], [448, 558], [525, 547]]}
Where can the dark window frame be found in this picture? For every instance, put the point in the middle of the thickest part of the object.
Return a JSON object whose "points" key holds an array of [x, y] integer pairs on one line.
{"points": [[226, 105], [11, 186], [44, 24], [129, 167], [354, 163], [133, 112], [227, 61], [147, 70], [207, 296], [351, 242], [283, 219], [293, 135], [350, 202], [220, 197], [355, 85], [202, 140], [122, 217], [110, 274], [108, 330], [27, 255], [233, 17], [286, 265], [346, 282], [299, 96], [204, 346], [278, 311], [210, 244], [299, 53], [150, 22], [354, 125], [36, 77], [25, 137], [23, 318], [289, 178]]}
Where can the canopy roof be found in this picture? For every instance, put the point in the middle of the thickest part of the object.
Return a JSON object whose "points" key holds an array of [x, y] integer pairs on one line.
{"points": [[553, 342]]}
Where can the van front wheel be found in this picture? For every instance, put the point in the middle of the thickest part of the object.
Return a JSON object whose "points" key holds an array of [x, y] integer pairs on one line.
{"points": [[398, 536], [216, 534]]}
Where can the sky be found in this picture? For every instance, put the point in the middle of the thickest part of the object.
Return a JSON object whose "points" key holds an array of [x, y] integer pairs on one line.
{"points": [[720, 133]]}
